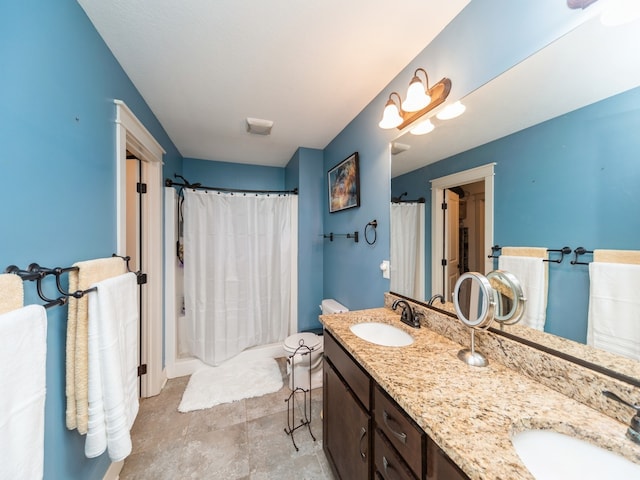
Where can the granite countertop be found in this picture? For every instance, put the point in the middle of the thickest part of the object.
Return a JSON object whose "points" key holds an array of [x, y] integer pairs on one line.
{"points": [[471, 412]]}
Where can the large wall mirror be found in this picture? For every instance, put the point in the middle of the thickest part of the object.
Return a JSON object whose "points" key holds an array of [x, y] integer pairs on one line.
{"points": [[559, 131]]}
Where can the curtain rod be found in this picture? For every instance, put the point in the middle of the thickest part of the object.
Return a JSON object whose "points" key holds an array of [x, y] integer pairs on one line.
{"points": [[170, 183]]}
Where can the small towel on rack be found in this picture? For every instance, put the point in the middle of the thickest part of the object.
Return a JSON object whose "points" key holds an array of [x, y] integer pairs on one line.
{"points": [[23, 360], [613, 322], [89, 272], [631, 257], [527, 265], [11, 292], [113, 367]]}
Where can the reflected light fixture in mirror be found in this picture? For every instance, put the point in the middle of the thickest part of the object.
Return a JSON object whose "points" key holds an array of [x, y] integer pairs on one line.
{"points": [[417, 93], [451, 111], [423, 127]]}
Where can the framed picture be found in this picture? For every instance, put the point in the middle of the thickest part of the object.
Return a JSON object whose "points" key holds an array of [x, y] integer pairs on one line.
{"points": [[344, 184]]}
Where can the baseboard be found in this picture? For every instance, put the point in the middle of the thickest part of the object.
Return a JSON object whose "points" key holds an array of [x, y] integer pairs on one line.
{"points": [[113, 472]]}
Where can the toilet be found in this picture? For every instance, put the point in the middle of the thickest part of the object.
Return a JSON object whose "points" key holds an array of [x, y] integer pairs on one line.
{"points": [[315, 344]]}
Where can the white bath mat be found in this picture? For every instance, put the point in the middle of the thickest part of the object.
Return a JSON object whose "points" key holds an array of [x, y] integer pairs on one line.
{"points": [[230, 382]]}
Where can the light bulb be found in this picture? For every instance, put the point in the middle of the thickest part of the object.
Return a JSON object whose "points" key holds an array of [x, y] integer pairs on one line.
{"points": [[417, 98], [391, 116]]}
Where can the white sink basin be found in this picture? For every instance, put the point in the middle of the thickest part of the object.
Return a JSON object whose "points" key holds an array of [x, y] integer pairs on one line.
{"points": [[552, 455], [382, 334]]}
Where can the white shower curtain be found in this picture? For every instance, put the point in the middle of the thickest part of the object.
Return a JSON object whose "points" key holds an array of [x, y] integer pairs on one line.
{"points": [[407, 249], [237, 271]]}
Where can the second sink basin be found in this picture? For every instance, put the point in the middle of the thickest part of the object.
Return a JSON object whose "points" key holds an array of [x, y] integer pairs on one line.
{"points": [[551, 455], [382, 334]]}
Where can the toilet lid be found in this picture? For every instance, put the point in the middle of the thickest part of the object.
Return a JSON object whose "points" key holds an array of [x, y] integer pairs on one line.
{"points": [[309, 339]]}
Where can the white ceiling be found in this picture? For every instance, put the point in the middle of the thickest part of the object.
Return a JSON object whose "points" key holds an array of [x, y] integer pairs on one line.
{"points": [[204, 66]]}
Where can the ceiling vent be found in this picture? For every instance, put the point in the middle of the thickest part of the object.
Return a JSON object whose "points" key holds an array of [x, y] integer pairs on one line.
{"points": [[258, 126]]}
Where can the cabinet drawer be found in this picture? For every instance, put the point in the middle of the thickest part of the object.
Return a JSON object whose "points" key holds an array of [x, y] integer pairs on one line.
{"points": [[402, 432], [353, 375], [388, 465]]}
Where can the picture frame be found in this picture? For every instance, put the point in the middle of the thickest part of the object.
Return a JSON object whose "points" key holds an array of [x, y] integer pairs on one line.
{"points": [[343, 182]]}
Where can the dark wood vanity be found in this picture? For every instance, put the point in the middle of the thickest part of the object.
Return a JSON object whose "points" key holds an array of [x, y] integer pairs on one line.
{"points": [[366, 434]]}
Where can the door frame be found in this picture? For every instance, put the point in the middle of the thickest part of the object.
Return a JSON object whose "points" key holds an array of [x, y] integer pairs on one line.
{"points": [[131, 134], [438, 186]]}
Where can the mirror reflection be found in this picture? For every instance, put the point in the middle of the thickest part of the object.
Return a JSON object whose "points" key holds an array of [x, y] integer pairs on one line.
{"points": [[510, 300], [560, 130]]}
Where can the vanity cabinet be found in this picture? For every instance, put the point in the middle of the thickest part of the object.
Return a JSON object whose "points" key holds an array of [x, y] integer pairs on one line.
{"points": [[346, 421], [366, 434]]}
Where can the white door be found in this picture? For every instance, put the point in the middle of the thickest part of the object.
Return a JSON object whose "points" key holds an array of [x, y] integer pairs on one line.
{"points": [[451, 242]]}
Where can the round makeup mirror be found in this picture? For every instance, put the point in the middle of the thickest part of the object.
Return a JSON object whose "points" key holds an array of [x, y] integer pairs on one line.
{"points": [[510, 300], [474, 300]]}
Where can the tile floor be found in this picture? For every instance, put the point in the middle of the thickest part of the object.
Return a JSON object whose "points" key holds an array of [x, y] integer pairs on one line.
{"points": [[235, 441]]}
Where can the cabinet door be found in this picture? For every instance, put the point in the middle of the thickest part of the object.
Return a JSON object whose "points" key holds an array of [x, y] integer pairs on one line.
{"points": [[440, 466], [346, 435]]}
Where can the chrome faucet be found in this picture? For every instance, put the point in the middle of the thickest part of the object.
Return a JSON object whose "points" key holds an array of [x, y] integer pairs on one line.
{"points": [[407, 315], [436, 297], [633, 432]]}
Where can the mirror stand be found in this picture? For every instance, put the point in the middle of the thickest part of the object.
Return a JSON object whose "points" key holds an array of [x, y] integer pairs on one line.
{"points": [[470, 356]]}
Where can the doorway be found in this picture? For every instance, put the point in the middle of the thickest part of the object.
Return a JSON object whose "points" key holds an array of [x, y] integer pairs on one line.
{"points": [[139, 233], [461, 228]]}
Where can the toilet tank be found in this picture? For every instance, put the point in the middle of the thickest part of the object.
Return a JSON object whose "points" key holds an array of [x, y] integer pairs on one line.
{"points": [[329, 305]]}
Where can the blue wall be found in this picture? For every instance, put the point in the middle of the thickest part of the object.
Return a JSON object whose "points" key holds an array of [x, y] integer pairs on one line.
{"points": [[485, 39], [57, 132], [304, 172], [232, 175], [573, 181]]}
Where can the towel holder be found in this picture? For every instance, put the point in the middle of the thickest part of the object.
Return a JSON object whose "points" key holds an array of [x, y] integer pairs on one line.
{"points": [[563, 251], [353, 235], [141, 277], [580, 251]]}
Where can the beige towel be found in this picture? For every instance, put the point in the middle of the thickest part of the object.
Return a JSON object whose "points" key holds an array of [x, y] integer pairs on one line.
{"points": [[631, 257], [77, 374], [11, 292], [537, 252]]}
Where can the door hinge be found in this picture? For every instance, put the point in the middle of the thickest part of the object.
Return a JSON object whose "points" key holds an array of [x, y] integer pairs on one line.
{"points": [[142, 279], [444, 205], [141, 187], [142, 369], [444, 262]]}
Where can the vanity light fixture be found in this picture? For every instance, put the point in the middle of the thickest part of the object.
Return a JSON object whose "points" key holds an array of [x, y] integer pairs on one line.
{"points": [[423, 127], [451, 111], [417, 94], [420, 100]]}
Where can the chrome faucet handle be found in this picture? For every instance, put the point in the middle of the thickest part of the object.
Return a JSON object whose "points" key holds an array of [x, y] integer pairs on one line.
{"points": [[633, 432]]}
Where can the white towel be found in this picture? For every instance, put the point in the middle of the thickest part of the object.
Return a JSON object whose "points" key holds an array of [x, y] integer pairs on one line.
{"points": [[113, 361], [23, 359], [532, 273], [614, 303]]}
